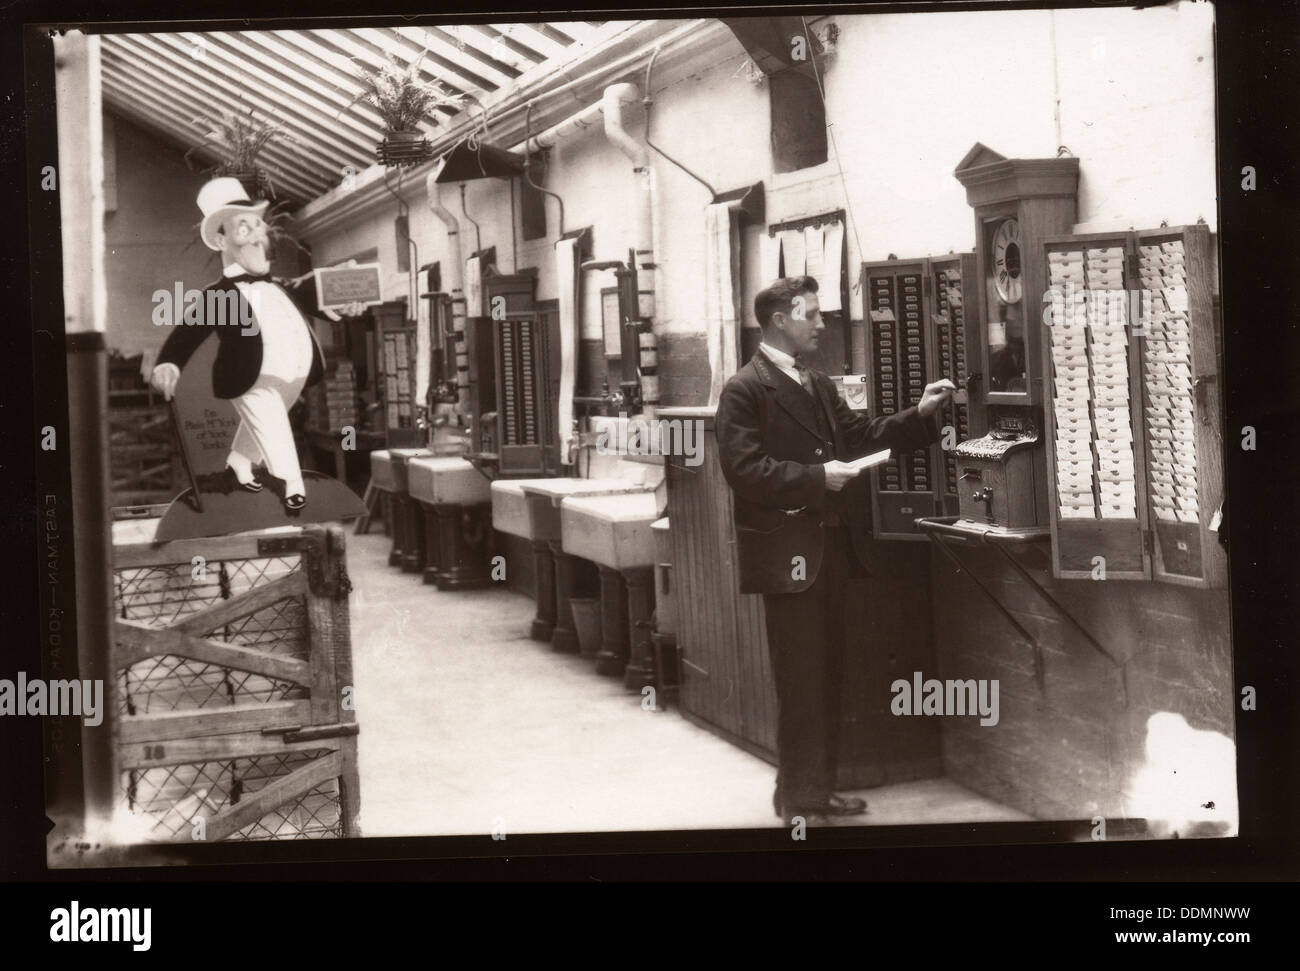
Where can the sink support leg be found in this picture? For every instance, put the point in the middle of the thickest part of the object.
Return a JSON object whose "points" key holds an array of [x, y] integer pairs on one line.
{"points": [[463, 558], [565, 636], [544, 571], [432, 545], [640, 670], [390, 528], [612, 657], [413, 540]]}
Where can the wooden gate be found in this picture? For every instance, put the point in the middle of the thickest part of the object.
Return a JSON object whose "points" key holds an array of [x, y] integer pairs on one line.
{"points": [[234, 674]]}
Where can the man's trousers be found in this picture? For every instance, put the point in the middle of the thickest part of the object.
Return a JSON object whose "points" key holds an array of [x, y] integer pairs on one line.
{"points": [[805, 636]]}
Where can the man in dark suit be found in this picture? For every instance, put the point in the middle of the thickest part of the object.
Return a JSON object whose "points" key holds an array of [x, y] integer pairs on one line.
{"points": [[784, 440], [267, 352]]}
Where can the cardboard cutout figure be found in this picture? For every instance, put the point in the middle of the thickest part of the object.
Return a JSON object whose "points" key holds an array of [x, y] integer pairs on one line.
{"points": [[232, 367]]}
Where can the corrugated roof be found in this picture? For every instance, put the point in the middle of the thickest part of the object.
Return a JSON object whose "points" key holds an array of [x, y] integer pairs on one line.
{"points": [[305, 79]]}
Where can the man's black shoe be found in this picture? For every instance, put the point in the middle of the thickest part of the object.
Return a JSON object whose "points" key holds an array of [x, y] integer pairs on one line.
{"points": [[845, 805], [809, 818], [833, 805]]}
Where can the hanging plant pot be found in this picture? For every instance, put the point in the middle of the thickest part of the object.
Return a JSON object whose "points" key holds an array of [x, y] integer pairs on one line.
{"points": [[256, 182], [401, 148]]}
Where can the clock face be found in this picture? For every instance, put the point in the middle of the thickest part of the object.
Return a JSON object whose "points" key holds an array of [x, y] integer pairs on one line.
{"points": [[1006, 262]]}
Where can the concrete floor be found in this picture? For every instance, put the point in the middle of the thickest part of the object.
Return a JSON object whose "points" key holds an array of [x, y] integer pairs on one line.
{"points": [[469, 727]]}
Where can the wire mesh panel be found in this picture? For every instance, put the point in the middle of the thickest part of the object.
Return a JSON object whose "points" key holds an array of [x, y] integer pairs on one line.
{"points": [[231, 655]]}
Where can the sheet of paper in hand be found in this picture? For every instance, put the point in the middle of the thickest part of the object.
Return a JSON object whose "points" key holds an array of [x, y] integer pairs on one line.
{"points": [[869, 461], [342, 285]]}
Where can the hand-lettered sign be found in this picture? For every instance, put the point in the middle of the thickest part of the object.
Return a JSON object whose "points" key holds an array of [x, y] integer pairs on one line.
{"points": [[340, 286]]}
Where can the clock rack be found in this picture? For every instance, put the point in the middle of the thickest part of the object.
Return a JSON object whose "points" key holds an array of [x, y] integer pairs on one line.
{"points": [[1134, 439], [922, 319]]}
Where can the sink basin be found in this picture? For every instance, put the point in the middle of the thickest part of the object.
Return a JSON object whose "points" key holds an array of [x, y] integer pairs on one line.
{"points": [[513, 502], [447, 480], [611, 530], [510, 508], [544, 497], [388, 467], [381, 470]]}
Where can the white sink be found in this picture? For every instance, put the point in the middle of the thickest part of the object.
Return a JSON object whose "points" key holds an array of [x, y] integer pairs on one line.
{"points": [[388, 467], [514, 502], [447, 480], [611, 530], [544, 497], [381, 470]]}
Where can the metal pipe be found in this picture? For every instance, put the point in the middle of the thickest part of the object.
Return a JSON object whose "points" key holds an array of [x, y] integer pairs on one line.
{"points": [[453, 280], [647, 101], [616, 96], [478, 236], [554, 133]]}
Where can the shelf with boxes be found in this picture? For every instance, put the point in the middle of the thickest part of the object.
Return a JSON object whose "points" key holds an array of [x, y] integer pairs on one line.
{"points": [[923, 316], [1135, 443]]}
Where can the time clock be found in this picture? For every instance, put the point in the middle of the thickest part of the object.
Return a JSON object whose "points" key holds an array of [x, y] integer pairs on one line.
{"points": [[1007, 262]]}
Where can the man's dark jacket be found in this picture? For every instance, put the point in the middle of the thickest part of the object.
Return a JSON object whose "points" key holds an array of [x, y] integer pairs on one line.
{"points": [[239, 351], [773, 446]]}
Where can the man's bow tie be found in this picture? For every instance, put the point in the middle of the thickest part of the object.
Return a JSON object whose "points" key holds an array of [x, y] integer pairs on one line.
{"points": [[248, 277]]}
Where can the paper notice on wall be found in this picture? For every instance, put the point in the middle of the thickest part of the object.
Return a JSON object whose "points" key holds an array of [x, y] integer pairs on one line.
{"points": [[792, 246], [770, 256], [720, 315], [566, 281], [812, 251], [473, 287], [832, 268]]}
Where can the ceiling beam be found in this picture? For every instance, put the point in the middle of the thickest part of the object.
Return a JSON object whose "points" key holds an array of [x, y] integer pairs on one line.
{"points": [[494, 73], [452, 73], [163, 102], [534, 36], [165, 97], [226, 93], [244, 59], [340, 51]]}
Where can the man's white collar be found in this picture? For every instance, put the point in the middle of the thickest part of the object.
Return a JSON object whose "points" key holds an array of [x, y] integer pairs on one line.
{"points": [[778, 357]]}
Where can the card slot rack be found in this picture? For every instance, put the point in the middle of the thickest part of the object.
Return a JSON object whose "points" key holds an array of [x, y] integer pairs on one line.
{"points": [[950, 332], [912, 363], [1076, 462], [887, 332], [1166, 380]]}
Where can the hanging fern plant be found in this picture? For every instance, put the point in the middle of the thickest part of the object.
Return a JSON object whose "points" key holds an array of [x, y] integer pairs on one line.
{"points": [[404, 100], [238, 138]]}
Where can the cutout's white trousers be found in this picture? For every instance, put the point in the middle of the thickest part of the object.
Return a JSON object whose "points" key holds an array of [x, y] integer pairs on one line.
{"points": [[264, 434]]}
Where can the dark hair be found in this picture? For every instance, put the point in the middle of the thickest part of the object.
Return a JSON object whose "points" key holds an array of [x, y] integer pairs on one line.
{"points": [[780, 296]]}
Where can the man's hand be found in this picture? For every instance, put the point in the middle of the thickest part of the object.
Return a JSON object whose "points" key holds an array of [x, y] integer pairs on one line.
{"points": [[935, 396], [354, 309], [839, 474], [164, 378]]}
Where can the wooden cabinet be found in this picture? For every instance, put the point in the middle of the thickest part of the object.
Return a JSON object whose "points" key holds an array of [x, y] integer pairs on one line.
{"points": [[923, 320], [1135, 444]]}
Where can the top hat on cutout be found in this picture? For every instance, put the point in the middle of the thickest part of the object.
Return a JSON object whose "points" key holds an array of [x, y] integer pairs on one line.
{"points": [[218, 197]]}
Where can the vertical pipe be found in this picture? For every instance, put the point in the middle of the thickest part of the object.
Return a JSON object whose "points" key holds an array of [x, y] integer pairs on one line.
{"points": [[616, 98], [452, 279]]}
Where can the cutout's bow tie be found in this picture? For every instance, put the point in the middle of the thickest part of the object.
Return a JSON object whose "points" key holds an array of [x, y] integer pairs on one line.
{"points": [[249, 277]]}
